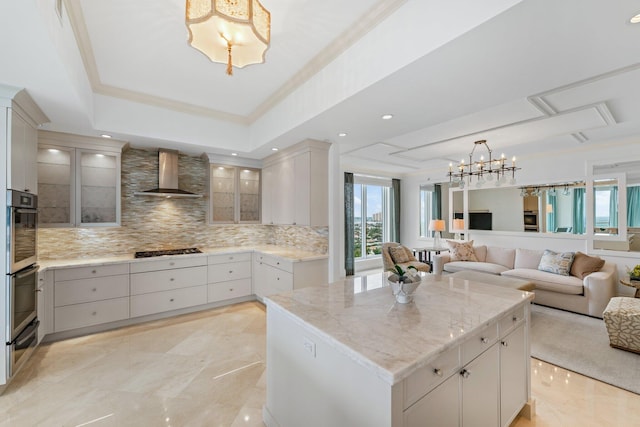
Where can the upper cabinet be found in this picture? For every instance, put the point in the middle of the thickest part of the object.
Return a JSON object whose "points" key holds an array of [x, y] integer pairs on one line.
{"points": [[235, 194], [21, 117], [296, 185], [78, 180]]}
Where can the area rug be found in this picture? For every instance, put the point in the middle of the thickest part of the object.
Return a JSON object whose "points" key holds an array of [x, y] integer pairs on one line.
{"points": [[581, 344]]}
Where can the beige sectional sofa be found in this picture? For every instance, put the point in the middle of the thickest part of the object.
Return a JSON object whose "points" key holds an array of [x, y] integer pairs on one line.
{"points": [[589, 295]]}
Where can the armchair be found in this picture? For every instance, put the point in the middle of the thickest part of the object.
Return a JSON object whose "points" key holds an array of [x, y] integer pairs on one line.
{"points": [[394, 253]]}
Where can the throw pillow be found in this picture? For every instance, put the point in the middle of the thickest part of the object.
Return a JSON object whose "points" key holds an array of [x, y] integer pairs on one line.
{"points": [[557, 263], [399, 255], [584, 264], [461, 251]]}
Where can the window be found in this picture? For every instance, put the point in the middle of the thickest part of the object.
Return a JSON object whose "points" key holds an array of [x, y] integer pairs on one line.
{"points": [[371, 213], [606, 206], [426, 209]]}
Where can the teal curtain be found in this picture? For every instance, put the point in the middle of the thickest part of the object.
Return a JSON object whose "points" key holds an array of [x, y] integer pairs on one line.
{"points": [[633, 206], [436, 202], [395, 210], [349, 265], [613, 207], [552, 201], [579, 217]]}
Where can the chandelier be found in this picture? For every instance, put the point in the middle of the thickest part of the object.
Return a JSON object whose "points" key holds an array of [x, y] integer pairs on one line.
{"points": [[483, 169], [232, 32]]}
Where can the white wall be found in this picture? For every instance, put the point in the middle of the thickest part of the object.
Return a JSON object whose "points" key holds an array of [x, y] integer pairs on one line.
{"points": [[505, 205]]}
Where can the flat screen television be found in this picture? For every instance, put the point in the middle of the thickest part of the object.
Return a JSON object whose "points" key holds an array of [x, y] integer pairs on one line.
{"points": [[480, 221]]}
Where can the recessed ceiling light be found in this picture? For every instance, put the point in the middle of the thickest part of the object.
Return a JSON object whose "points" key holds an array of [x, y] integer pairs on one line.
{"points": [[234, 154], [342, 134], [53, 150], [387, 117], [635, 19], [274, 149], [104, 135]]}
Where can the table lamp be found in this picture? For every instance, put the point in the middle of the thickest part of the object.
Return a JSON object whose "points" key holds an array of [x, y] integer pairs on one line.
{"points": [[458, 226], [436, 225]]}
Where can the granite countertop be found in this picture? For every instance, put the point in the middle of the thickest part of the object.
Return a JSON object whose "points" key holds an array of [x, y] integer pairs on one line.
{"points": [[391, 339], [285, 252]]}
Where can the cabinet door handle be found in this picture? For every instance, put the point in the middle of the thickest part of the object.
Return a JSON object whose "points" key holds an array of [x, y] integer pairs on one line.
{"points": [[437, 372], [38, 290], [465, 373], [230, 289], [171, 300], [505, 344], [514, 318], [483, 340], [230, 271]]}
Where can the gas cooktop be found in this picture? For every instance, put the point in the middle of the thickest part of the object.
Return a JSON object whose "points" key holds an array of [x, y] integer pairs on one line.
{"points": [[147, 254]]}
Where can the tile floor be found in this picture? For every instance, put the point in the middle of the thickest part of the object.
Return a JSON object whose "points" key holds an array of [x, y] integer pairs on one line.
{"points": [[207, 369]]}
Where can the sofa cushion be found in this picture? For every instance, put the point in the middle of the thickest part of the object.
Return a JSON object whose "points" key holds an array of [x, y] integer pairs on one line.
{"points": [[584, 264], [481, 253], [548, 281], [502, 256], [527, 258], [485, 267], [461, 251], [557, 263], [399, 255]]}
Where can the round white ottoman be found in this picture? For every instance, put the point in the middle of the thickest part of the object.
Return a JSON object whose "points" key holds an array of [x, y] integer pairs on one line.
{"points": [[622, 318]]}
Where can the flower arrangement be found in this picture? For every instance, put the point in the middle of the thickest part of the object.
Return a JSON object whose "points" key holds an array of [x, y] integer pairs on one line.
{"points": [[634, 274], [402, 275]]}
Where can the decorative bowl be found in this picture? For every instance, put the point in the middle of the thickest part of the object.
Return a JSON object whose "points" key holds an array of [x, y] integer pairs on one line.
{"points": [[404, 291]]}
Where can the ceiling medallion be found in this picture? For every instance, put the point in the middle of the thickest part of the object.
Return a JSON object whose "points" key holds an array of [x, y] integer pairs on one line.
{"points": [[232, 32], [483, 169]]}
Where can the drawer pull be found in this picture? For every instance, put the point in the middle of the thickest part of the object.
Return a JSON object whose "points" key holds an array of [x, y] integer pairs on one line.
{"points": [[230, 257], [278, 263], [172, 263], [514, 318], [230, 289], [93, 271], [483, 340], [505, 344], [465, 373], [278, 278], [437, 372], [230, 271], [94, 313], [171, 279], [171, 300], [93, 290]]}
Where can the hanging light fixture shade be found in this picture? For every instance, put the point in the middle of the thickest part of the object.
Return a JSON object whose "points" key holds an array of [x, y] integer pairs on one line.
{"points": [[232, 32]]}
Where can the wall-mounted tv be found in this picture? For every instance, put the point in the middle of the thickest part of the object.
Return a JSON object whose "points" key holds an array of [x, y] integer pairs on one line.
{"points": [[480, 221]]}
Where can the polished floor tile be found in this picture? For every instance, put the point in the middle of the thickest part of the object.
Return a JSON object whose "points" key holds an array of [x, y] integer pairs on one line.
{"points": [[208, 369]]}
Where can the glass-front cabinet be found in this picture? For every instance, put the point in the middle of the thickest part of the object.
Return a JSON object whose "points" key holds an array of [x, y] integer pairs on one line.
{"points": [[78, 186], [235, 194]]}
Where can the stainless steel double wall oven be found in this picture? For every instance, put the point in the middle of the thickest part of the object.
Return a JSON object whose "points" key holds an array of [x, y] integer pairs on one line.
{"points": [[21, 333]]}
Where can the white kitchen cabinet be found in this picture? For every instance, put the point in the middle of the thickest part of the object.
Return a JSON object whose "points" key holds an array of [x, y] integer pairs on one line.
{"points": [[273, 274], [441, 407], [298, 185], [22, 117], [235, 194], [78, 180], [513, 386], [229, 276], [159, 302], [480, 387], [89, 296]]}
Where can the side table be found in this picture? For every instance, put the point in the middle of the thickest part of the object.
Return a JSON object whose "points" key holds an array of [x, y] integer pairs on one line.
{"points": [[633, 283]]}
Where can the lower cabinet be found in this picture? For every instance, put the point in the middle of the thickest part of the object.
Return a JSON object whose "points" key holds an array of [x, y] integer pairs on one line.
{"points": [[273, 274], [158, 302], [229, 276], [91, 313], [483, 382]]}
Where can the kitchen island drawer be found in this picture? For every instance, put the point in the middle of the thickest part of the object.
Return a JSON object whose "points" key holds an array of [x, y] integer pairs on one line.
{"points": [[91, 313], [164, 280], [228, 290], [478, 342], [75, 273], [179, 261], [89, 290], [158, 302], [229, 271], [431, 375], [230, 257]]}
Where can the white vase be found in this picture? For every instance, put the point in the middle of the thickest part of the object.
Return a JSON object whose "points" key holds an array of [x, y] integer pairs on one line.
{"points": [[404, 291]]}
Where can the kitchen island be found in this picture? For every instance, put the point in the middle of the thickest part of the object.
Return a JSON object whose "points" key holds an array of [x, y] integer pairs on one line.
{"points": [[457, 355]]}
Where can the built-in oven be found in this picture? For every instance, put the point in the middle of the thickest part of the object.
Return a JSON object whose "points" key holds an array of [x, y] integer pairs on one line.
{"points": [[21, 334], [22, 225]]}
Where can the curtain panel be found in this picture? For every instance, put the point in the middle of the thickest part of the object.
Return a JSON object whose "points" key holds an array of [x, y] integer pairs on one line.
{"points": [[394, 234], [349, 265]]}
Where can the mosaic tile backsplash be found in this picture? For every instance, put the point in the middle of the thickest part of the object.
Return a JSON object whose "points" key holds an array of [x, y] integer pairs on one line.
{"points": [[150, 223]]}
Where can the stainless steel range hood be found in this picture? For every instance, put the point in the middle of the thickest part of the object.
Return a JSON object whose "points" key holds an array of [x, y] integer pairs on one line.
{"points": [[167, 178]]}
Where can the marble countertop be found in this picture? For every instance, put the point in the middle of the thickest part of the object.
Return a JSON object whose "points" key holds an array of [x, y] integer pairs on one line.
{"points": [[285, 252], [391, 339]]}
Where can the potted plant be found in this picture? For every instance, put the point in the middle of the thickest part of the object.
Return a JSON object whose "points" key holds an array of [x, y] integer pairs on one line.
{"points": [[635, 273], [404, 282]]}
